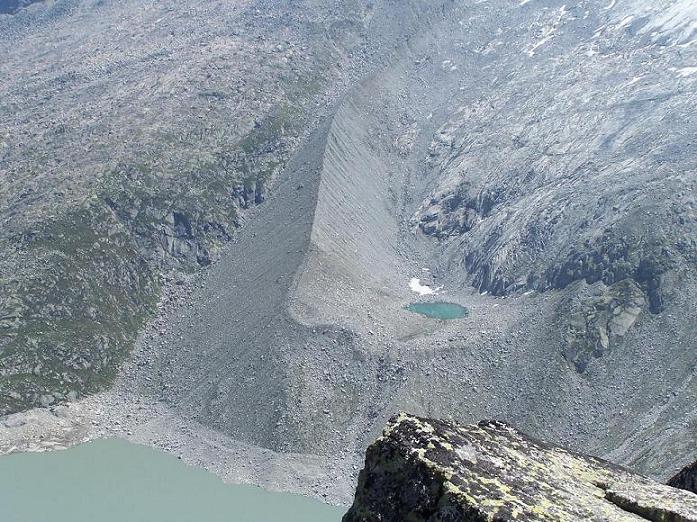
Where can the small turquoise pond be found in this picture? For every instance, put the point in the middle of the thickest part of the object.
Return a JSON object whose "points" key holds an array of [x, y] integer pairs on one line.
{"points": [[115, 481], [444, 311]]}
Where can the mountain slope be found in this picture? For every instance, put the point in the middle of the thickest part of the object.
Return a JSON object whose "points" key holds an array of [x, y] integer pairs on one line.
{"points": [[536, 161]]}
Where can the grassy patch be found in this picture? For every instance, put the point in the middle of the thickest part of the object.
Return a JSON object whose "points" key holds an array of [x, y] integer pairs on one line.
{"points": [[80, 312]]}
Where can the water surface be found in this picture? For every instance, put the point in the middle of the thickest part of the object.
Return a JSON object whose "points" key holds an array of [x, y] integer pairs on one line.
{"points": [[444, 311], [115, 481]]}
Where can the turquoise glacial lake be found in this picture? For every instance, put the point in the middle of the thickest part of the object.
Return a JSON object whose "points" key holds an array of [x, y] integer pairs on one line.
{"points": [[115, 481], [444, 311]]}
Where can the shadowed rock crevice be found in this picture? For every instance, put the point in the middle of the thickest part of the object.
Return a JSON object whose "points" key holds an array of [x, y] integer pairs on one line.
{"points": [[686, 478], [13, 6]]}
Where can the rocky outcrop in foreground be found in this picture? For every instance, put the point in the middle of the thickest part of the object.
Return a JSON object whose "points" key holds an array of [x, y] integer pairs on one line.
{"points": [[686, 478], [424, 469]]}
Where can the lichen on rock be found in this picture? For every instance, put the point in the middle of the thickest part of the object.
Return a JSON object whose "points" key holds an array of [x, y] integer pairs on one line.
{"points": [[434, 470]]}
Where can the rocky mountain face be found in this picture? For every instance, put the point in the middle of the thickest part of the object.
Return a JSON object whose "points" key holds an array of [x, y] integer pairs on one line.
{"points": [[425, 469], [13, 6], [120, 164], [589, 177], [533, 161]]}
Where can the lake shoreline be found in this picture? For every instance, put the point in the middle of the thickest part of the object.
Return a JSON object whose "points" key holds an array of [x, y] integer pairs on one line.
{"points": [[127, 481], [126, 411], [107, 415]]}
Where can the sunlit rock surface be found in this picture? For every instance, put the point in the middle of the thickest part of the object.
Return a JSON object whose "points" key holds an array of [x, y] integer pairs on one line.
{"points": [[424, 469]]}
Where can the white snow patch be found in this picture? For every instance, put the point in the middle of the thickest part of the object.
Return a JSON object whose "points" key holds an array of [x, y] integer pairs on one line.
{"points": [[550, 31], [678, 21], [416, 286], [539, 44], [523, 2], [625, 22], [612, 4], [687, 71]]}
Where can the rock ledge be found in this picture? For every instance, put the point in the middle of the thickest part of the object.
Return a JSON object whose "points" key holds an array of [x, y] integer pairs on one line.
{"points": [[424, 469]]}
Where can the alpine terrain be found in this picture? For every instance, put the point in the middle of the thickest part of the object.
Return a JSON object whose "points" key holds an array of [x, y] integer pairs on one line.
{"points": [[214, 215]]}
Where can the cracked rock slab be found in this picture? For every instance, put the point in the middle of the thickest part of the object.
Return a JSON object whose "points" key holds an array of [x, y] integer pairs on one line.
{"points": [[433, 470]]}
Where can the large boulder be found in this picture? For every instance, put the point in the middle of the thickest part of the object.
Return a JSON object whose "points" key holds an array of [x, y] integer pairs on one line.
{"points": [[425, 469]]}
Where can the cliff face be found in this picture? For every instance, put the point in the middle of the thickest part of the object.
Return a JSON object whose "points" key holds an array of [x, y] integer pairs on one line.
{"points": [[424, 469], [686, 478]]}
